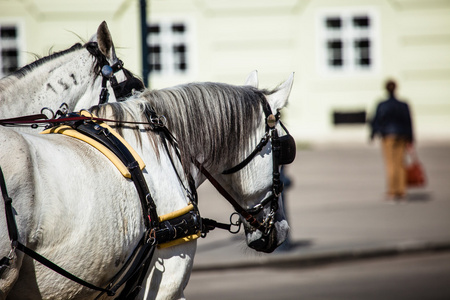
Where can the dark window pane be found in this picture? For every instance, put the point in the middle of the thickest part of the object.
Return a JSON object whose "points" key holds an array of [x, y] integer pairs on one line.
{"points": [[361, 21], [338, 62], [154, 49], [183, 66], [154, 58], [362, 43], [7, 53], [10, 62], [153, 29], [335, 58], [179, 48], [335, 44], [180, 57], [8, 32], [357, 117], [362, 50], [333, 23], [364, 62], [178, 28]]}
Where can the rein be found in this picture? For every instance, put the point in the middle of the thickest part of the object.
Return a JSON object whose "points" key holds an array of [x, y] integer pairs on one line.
{"points": [[239, 209], [36, 119]]}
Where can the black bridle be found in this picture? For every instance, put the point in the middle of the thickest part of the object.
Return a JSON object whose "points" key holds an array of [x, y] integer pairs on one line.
{"points": [[283, 153], [107, 71]]}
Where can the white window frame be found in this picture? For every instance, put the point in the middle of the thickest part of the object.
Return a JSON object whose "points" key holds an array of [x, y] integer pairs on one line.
{"points": [[348, 34], [167, 39], [17, 43]]}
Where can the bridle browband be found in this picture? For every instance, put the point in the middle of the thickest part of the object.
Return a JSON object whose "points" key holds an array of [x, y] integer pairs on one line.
{"points": [[283, 149]]}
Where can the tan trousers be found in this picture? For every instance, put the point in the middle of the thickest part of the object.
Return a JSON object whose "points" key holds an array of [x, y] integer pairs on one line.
{"points": [[394, 153]]}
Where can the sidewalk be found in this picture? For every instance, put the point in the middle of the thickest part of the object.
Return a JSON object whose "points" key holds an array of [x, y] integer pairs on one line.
{"points": [[336, 211]]}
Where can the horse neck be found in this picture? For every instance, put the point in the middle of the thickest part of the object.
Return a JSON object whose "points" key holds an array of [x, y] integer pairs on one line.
{"points": [[69, 78], [205, 128], [162, 179]]}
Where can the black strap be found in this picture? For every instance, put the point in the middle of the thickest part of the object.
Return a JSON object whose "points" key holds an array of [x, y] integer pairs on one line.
{"points": [[247, 216], [10, 221], [210, 224], [144, 258], [258, 148], [9, 211], [134, 283], [36, 256]]}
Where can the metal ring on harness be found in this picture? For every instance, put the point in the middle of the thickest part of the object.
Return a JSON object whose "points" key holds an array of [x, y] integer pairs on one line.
{"points": [[237, 224], [50, 110], [89, 114]]}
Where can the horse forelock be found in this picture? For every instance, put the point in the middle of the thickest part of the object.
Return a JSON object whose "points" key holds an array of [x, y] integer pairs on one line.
{"points": [[211, 121]]}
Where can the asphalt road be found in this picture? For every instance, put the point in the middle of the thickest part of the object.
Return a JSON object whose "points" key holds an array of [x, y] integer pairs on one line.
{"points": [[410, 277]]}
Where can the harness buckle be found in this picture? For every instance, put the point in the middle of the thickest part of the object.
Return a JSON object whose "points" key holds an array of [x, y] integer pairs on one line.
{"points": [[151, 237], [12, 253]]}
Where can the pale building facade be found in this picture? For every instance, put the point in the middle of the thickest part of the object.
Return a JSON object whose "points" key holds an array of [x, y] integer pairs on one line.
{"points": [[341, 51]]}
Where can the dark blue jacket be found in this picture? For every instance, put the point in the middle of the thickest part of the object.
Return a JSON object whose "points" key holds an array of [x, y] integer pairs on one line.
{"points": [[392, 118]]}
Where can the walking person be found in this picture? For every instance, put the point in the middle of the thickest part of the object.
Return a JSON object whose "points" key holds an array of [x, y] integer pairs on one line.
{"points": [[392, 121]]}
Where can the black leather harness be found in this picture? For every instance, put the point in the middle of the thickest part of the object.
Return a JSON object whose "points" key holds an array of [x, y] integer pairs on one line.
{"points": [[133, 272]]}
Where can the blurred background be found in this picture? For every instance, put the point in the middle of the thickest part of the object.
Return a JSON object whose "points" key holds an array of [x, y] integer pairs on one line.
{"points": [[341, 51]]}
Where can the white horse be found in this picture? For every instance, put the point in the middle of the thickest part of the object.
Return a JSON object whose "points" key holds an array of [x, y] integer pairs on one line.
{"points": [[217, 143], [72, 76]]}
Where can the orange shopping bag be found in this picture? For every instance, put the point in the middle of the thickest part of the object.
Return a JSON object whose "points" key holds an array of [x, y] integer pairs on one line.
{"points": [[415, 173]]}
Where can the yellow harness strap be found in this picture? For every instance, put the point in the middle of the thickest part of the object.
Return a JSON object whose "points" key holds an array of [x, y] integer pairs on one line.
{"points": [[69, 131], [173, 215]]}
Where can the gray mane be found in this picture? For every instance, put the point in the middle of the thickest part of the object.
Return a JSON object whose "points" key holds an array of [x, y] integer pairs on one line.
{"points": [[214, 119]]}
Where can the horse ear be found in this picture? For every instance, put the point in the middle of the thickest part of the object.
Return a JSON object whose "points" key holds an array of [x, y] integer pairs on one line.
{"points": [[105, 42], [252, 79], [279, 98]]}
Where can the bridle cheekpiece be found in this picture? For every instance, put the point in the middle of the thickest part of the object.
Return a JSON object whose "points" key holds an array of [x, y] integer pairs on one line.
{"points": [[283, 152]]}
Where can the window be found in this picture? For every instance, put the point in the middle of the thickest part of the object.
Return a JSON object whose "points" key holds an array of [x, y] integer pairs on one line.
{"points": [[347, 41], [9, 48], [168, 48]]}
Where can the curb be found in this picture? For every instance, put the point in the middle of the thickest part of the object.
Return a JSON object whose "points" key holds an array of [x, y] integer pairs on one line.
{"points": [[298, 260]]}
